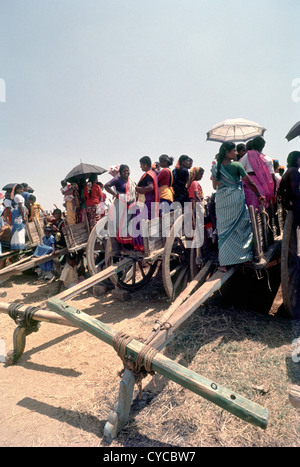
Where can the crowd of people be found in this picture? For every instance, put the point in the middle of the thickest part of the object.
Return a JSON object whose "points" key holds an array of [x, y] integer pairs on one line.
{"points": [[241, 176]]}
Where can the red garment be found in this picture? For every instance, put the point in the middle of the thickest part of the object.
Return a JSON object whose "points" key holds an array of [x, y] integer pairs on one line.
{"points": [[164, 177], [94, 197]]}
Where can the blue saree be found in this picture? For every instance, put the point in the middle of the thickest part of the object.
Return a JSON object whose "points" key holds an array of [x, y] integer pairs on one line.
{"points": [[17, 241]]}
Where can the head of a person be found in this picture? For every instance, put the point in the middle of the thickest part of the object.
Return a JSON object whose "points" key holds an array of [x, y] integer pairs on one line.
{"points": [[63, 183], [258, 143], [145, 163], [19, 188], [124, 171], [25, 186], [199, 174], [184, 161], [72, 260], [32, 199], [156, 166], [57, 214], [190, 163], [249, 145], [281, 170], [293, 159], [165, 160], [241, 150], [227, 149], [93, 178], [48, 231], [275, 165]]}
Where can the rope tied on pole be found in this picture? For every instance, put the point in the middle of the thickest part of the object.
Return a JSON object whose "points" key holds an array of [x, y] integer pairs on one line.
{"points": [[142, 366], [24, 319]]}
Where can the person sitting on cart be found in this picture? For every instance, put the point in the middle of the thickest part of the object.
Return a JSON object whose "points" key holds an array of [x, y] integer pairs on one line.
{"points": [[147, 205], [57, 226], [289, 188], [47, 247]]}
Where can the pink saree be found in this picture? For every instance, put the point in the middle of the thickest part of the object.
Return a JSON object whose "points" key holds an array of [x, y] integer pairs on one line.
{"points": [[262, 179]]}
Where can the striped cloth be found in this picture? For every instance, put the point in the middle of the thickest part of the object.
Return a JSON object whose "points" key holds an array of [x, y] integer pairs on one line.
{"points": [[235, 237]]}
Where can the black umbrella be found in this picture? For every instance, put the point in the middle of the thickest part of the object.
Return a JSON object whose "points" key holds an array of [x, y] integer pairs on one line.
{"points": [[10, 186], [84, 171], [294, 132]]}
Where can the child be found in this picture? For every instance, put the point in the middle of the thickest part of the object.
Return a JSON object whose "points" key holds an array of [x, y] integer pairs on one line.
{"points": [[69, 276], [34, 208], [46, 248], [69, 200]]}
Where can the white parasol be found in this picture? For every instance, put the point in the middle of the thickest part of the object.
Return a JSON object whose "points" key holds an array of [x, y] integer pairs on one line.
{"points": [[237, 129]]}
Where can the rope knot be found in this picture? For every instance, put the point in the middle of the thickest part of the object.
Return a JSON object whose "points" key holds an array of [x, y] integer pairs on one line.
{"points": [[142, 366]]}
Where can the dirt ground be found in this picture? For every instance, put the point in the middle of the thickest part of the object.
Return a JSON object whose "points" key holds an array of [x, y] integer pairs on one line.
{"points": [[66, 383]]}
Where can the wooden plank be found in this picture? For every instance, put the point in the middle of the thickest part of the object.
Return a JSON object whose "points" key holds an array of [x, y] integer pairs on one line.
{"points": [[185, 294], [187, 308], [93, 280], [30, 264], [221, 396]]}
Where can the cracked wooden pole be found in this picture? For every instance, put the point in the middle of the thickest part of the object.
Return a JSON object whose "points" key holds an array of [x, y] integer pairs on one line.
{"points": [[210, 390]]}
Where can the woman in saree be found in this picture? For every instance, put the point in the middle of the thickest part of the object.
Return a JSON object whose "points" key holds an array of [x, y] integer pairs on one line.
{"points": [[18, 215], [147, 205], [92, 195], [256, 166], [165, 183], [122, 188], [235, 238]]}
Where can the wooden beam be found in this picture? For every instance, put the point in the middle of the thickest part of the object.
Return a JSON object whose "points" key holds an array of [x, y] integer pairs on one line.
{"points": [[95, 279], [6, 274], [228, 400], [39, 315], [186, 309]]}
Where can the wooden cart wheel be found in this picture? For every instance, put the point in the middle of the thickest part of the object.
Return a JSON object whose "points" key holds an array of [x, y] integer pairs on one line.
{"points": [[132, 277], [95, 249], [290, 267], [175, 261]]}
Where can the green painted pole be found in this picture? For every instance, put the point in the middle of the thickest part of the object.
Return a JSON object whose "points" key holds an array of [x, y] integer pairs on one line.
{"points": [[219, 395]]}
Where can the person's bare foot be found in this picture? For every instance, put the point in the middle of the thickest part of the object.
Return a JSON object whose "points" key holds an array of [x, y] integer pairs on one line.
{"points": [[222, 268]]}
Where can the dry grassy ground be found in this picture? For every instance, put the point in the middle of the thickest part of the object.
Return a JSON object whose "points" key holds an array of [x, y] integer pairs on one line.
{"points": [[65, 385]]}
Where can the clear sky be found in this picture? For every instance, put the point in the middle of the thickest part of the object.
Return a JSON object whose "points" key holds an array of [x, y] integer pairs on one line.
{"points": [[109, 81]]}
